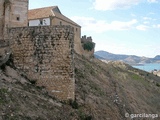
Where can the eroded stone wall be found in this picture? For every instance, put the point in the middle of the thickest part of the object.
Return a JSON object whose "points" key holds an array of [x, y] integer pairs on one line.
{"points": [[1, 19], [45, 54], [13, 13]]}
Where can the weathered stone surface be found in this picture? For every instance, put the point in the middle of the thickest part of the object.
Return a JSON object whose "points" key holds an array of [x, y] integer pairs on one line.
{"points": [[4, 53], [45, 54], [13, 13]]}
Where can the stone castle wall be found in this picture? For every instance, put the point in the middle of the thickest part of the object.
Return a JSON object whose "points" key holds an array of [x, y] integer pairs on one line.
{"points": [[45, 54], [13, 13], [86, 39], [1, 18]]}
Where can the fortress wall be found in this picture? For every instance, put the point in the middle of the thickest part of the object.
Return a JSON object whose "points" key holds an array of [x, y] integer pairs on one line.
{"points": [[1, 19], [45, 54]]}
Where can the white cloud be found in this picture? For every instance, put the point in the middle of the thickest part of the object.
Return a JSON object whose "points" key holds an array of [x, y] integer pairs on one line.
{"points": [[117, 4], [133, 15], [91, 24], [146, 22], [151, 13], [114, 4], [147, 18], [152, 1], [142, 27], [118, 25], [158, 25]]}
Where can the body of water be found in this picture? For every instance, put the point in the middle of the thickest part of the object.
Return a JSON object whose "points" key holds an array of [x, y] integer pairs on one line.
{"points": [[148, 67]]}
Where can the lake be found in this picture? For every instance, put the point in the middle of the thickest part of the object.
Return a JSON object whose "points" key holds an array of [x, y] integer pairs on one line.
{"points": [[148, 67]]}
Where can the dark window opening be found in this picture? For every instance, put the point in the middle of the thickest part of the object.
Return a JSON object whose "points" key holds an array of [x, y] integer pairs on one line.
{"points": [[76, 29], [41, 22], [18, 18], [60, 22]]}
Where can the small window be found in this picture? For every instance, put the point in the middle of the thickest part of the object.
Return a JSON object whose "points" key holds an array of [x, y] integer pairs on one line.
{"points": [[41, 22], [44, 21], [18, 19], [60, 22], [76, 29]]}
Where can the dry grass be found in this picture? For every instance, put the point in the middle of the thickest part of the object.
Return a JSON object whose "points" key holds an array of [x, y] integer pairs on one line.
{"points": [[103, 91]]}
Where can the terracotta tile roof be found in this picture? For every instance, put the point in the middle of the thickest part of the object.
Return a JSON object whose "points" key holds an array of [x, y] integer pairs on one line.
{"points": [[62, 17], [46, 12], [40, 13]]}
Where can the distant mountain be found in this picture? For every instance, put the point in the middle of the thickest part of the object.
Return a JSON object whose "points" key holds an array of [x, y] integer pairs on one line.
{"points": [[130, 59], [156, 58], [96, 56]]}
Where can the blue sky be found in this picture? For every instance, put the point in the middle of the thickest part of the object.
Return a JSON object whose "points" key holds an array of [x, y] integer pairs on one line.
{"points": [[117, 26]]}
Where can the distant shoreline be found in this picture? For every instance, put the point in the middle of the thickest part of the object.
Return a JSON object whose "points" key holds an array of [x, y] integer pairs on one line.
{"points": [[147, 66], [137, 64]]}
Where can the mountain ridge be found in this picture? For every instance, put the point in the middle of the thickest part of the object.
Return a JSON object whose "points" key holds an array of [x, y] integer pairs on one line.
{"points": [[129, 59]]}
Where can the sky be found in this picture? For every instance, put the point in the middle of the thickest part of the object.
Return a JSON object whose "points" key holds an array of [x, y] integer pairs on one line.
{"points": [[129, 27]]}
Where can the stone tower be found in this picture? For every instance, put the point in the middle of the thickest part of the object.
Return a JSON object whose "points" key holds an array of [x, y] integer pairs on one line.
{"points": [[13, 13]]}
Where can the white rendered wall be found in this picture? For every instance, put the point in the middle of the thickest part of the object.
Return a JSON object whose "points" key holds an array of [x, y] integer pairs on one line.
{"points": [[45, 21]]}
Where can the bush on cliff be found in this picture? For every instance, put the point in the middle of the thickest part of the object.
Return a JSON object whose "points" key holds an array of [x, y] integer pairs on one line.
{"points": [[88, 46]]}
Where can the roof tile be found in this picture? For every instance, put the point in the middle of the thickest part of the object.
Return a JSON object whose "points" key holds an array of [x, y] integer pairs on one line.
{"points": [[46, 12]]}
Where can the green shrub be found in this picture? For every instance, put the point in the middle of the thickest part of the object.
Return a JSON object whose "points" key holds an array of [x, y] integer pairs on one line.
{"points": [[157, 84], [3, 92], [3, 67], [74, 104], [88, 46], [33, 82], [136, 77]]}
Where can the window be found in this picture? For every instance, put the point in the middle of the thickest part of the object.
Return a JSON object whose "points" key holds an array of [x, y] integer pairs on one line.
{"points": [[44, 21], [76, 29], [60, 22], [41, 22], [18, 19]]}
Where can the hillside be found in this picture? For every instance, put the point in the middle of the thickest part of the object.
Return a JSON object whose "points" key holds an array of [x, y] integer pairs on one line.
{"points": [[103, 92], [129, 59]]}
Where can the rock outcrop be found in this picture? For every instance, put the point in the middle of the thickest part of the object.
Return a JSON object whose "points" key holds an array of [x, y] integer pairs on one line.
{"points": [[5, 52]]}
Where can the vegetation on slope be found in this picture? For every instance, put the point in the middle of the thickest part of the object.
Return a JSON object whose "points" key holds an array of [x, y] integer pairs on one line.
{"points": [[103, 91]]}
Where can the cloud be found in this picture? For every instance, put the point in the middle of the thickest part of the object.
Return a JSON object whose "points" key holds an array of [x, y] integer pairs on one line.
{"points": [[114, 4], [118, 25], [105, 5], [156, 26], [152, 1], [91, 24], [147, 18], [146, 22], [142, 27], [133, 15], [151, 13]]}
